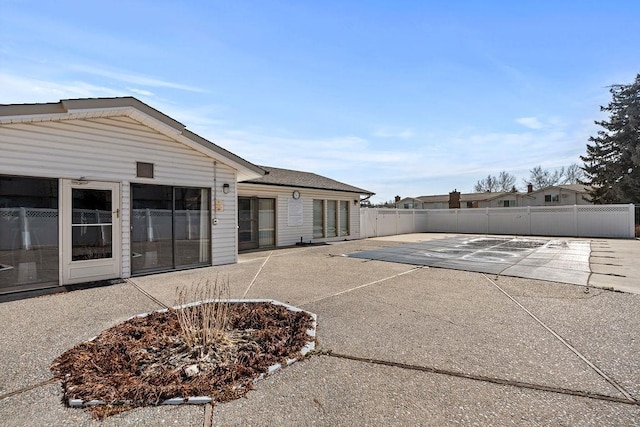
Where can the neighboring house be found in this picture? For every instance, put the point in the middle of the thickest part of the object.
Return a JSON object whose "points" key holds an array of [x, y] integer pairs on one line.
{"points": [[444, 201], [557, 195], [95, 189], [410, 203], [285, 207]]}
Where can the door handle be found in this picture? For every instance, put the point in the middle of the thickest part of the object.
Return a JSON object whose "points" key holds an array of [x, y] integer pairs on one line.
{"points": [[117, 212]]}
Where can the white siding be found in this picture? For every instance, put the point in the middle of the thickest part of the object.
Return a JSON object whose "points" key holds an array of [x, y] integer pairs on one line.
{"points": [[225, 232], [107, 149], [289, 235]]}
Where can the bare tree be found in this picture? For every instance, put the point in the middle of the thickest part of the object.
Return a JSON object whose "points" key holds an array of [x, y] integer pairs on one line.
{"points": [[487, 184], [541, 178], [503, 182], [506, 181], [573, 174]]}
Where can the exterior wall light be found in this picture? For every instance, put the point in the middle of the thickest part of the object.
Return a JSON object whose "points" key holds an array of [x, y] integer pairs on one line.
{"points": [[225, 188]]}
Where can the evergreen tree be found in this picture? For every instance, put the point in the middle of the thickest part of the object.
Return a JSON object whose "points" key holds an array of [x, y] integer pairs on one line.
{"points": [[612, 162]]}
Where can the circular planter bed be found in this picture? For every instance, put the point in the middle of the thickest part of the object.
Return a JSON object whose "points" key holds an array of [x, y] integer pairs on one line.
{"points": [[148, 360]]}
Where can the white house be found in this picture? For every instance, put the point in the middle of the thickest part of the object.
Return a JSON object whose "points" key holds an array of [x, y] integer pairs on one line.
{"points": [[555, 195], [95, 189], [286, 207], [453, 200], [109, 188]]}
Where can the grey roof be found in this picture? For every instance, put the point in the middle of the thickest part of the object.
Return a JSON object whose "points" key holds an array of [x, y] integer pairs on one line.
{"points": [[477, 197], [464, 197], [292, 178], [67, 106], [580, 188]]}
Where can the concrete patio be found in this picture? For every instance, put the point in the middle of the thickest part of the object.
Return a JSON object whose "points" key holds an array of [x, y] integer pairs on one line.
{"points": [[398, 344]]}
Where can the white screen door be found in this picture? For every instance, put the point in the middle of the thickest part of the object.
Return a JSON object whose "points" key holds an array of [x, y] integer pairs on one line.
{"points": [[90, 231]]}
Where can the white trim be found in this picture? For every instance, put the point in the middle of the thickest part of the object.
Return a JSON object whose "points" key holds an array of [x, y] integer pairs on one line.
{"points": [[108, 268]]}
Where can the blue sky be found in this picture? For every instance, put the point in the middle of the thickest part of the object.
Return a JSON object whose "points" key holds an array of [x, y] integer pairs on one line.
{"points": [[401, 98]]}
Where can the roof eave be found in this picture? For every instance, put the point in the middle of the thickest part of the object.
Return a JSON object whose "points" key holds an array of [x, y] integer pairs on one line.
{"points": [[355, 190], [137, 110]]}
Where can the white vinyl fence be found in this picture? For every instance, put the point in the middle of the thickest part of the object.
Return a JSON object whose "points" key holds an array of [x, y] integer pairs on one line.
{"points": [[571, 221]]}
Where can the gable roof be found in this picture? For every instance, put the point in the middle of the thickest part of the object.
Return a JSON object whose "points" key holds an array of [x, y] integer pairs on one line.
{"points": [[407, 199], [464, 197], [486, 196], [292, 178], [578, 188], [87, 108]]}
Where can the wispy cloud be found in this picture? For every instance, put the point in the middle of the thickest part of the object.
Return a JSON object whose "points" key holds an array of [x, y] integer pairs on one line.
{"points": [[530, 122], [16, 89], [433, 163], [394, 133], [131, 78], [140, 92]]}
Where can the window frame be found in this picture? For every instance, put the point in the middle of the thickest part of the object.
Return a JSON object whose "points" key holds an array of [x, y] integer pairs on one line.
{"points": [[322, 234], [340, 225]]}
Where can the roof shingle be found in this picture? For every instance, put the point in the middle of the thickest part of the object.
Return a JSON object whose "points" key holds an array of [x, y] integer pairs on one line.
{"points": [[292, 178]]}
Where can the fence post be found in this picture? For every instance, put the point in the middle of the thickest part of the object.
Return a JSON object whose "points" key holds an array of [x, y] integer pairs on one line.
{"points": [[426, 220], [377, 225], [529, 216], [413, 216], [488, 218], [575, 221], [632, 220]]}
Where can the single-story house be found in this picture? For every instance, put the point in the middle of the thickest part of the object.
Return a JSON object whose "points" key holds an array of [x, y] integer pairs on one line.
{"points": [[447, 201], [555, 195], [410, 203], [286, 207], [106, 188]]}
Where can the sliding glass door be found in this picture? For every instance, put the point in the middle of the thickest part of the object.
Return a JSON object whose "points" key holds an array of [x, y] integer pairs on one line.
{"points": [[256, 223], [170, 228], [247, 223], [28, 233]]}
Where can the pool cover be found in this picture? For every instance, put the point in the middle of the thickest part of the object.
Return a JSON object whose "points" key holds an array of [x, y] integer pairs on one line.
{"points": [[555, 260]]}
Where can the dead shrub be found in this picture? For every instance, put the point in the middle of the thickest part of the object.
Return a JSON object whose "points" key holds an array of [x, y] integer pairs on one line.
{"points": [[203, 315]]}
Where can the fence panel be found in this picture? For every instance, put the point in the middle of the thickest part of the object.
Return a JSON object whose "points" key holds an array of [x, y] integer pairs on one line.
{"points": [[442, 221], [509, 221], [405, 221], [368, 219], [553, 221], [616, 221], [605, 221], [473, 220], [421, 221], [387, 223]]}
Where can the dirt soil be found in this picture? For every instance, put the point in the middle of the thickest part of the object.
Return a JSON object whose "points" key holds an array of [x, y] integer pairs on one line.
{"points": [[146, 360]]}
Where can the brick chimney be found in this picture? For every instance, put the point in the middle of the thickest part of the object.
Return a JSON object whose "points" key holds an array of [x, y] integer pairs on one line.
{"points": [[454, 199], [529, 188]]}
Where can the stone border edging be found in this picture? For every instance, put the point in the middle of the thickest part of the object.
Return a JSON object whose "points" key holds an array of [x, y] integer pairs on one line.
{"points": [[201, 400]]}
